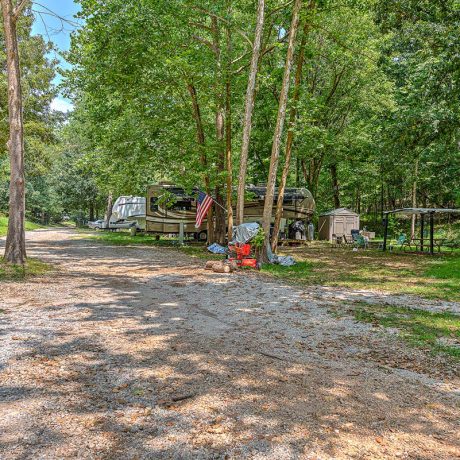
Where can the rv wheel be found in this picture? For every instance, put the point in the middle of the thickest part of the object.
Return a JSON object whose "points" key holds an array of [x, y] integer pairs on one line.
{"points": [[202, 236]]}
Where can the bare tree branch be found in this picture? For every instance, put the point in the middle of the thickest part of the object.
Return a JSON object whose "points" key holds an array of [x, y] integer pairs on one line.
{"points": [[50, 12], [202, 26], [210, 13], [240, 57], [204, 41], [17, 10], [281, 7]]}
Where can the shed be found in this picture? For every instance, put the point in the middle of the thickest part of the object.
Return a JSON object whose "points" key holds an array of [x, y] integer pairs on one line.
{"points": [[337, 222]]}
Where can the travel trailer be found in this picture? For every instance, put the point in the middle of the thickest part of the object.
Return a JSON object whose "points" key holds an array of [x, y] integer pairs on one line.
{"points": [[168, 206], [127, 212], [129, 209]]}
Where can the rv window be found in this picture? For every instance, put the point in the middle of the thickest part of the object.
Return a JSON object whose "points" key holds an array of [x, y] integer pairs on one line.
{"points": [[153, 204], [182, 205]]}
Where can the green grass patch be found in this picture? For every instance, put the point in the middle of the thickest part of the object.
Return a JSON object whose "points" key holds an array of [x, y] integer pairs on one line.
{"points": [[125, 239], [299, 271], [4, 225], [435, 277], [445, 269], [33, 267], [439, 332]]}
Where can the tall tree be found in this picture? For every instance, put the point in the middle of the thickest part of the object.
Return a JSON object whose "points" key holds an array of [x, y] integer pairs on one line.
{"points": [[228, 123], [290, 135], [15, 248], [249, 108], [269, 196]]}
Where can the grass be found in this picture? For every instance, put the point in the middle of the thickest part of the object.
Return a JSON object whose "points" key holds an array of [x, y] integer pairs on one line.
{"points": [[4, 225], [33, 267], [300, 270], [431, 277], [438, 332]]}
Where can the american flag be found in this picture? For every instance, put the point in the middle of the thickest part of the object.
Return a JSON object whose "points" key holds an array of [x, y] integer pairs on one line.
{"points": [[203, 203]]}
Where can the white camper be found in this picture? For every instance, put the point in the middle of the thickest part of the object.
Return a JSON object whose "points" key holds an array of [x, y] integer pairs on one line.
{"points": [[127, 212], [129, 209]]}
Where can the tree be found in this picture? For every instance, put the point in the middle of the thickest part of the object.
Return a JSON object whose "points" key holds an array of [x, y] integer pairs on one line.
{"points": [[290, 135], [228, 123], [249, 107], [15, 248], [269, 195], [164, 94]]}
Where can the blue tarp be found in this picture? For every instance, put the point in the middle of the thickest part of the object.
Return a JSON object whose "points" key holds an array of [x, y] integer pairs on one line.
{"points": [[217, 249]]}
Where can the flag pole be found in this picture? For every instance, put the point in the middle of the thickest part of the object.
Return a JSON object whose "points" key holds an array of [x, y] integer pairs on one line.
{"points": [[218, 204]]}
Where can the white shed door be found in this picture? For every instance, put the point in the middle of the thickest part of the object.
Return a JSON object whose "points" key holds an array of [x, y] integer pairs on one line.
{"points": [[339, 226]]}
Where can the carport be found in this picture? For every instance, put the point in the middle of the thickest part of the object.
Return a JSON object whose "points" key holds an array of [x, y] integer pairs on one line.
{"points": [[422, 212]]}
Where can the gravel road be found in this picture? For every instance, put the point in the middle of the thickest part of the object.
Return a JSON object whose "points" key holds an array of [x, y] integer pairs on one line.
{"points": [[138, 353]]}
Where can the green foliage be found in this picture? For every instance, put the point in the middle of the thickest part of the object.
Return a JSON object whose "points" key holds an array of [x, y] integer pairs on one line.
{"points": [[258, 240], [167, 199], [378, 103], [360, 108], [37, 72]]}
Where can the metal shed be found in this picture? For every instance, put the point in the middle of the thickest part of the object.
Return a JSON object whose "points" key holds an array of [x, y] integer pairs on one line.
{"points": [[337, 222]]}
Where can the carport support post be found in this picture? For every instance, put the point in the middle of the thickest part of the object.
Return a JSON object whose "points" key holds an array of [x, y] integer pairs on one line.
{"points": [[385, 232], [431, 233], [422, 229]]}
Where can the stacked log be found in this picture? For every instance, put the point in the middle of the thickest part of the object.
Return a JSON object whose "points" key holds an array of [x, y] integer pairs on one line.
{"points": [[221, 266]]}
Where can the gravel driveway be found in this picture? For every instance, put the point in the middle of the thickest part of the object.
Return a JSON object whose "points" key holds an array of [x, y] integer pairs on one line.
{"points": [[138, 353]]}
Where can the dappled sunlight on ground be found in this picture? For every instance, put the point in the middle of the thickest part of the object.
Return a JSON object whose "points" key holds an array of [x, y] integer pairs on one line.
{"points": [[134, 353], [394, 272]]}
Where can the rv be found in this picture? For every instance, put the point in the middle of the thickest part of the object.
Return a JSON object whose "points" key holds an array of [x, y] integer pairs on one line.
{"points": [[168, 206], [129, 209], [127, 212]]}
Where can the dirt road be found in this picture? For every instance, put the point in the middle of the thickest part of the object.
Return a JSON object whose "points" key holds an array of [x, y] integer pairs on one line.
{"points": [[137, 353]]}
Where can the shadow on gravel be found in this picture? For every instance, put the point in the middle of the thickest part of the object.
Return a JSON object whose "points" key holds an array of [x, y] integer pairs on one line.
{"points": [[132, 374]]}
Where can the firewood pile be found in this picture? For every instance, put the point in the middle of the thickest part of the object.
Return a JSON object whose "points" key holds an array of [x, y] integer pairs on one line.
{"points": [[223, 266]]}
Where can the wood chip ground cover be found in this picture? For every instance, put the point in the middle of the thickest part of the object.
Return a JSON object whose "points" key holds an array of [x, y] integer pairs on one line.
{"points": [[126, 352]]}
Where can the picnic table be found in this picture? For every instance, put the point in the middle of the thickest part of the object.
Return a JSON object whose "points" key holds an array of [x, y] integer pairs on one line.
{"points": [[424, 245], [421, 245]]}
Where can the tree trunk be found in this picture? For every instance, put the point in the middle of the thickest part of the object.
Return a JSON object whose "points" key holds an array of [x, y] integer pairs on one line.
{"points": [[228, 127], [203, 160], [335, 185], [220, 230], [108, 212], [290, 139], [269, 196], [358, 200], [414, 199], [249, 107], [91, 211], [311, 174], [15, 248]]}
